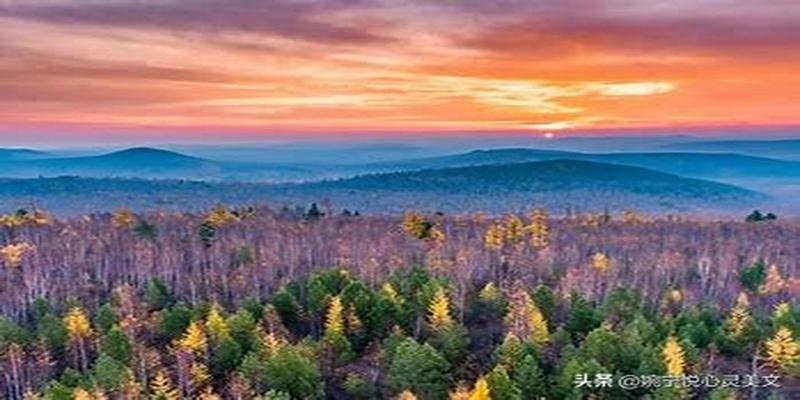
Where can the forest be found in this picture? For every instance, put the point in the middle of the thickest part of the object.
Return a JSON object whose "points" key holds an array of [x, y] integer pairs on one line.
{"points": [[318, 303]]}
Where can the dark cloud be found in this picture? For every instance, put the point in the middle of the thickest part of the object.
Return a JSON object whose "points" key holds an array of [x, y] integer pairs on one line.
{"points": [[290, 19], [727, 31]]}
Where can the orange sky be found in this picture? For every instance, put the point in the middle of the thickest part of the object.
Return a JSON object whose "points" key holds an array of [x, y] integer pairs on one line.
{"points": [[367, 65]]}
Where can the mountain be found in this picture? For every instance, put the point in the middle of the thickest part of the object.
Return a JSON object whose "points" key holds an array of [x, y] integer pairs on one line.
{"points": [[150, 163], [781, 148], [21, 154], [555, 184], [701, 165]]}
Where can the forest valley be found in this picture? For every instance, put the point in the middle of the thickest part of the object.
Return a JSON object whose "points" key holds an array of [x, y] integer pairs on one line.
{"points": [[257, 303]]}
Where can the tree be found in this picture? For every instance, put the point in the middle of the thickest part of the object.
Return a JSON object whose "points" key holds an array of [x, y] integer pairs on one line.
{"points": [[157, 294], [583, 318], [538, 230], [782, 350], [494, 238], [216, 325], [290, 371], [528, 377], [79, 330], [600, 262], [674, 357], [110, 374], [439, 310], [752, 277], [123, 218], [161, 388], [501, 386], [481, 390], [116, 345], [334, 319], [524, 320], [105, 318], [773, 282], [419, 368], [740, 316], [194, 339]]}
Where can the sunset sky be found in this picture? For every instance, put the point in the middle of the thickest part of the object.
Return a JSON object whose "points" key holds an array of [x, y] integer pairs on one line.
{"points": [[315, 66]]}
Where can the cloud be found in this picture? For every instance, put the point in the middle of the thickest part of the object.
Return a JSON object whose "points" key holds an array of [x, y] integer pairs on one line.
{"points": [[299, 20]]}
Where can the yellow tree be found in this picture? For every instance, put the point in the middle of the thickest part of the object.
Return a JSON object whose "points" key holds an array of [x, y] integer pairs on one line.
{"points": [[514, 228], [524, 320], [481, 390], [215, 323], [494, 237], [439, 310], [194, 339], [161, 388], [79, 330], [674, 357], [406, 395], [740, 315], [773, 283], [538, 230], [334, 318], [601, 262], [123, 218], [12, 253], [391, 293], [782, 350], [220, 215], [540, 334], [489, 292], [81, 394]]}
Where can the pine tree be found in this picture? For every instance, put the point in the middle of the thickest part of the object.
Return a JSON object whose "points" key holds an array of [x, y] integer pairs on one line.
{"points": [[161, 388], [783, 350], [540, 334], [215, 323], [529, 379], [439, 310], [334, 319], [740, 315], [194, 339], [674, 357], [501, 386], [481, 390]]}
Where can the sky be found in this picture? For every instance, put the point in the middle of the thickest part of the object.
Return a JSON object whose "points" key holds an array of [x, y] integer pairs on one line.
{"points": [[169, 68]]}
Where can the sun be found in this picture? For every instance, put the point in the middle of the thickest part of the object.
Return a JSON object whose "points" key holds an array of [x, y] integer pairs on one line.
{"points": [[549, 135]]}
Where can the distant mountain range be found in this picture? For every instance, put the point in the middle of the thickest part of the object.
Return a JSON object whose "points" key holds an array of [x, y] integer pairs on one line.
{"points": [[783, 148], [703, 165], [556, 184], [140, 162]]}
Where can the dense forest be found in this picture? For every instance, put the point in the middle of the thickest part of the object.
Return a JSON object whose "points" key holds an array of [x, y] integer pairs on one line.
{"points": [[245, 303]]}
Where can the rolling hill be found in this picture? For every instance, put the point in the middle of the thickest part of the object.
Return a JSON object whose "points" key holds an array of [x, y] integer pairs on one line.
{"points": [[556, 184], [779, 148], [700, 165], [145, 162]]}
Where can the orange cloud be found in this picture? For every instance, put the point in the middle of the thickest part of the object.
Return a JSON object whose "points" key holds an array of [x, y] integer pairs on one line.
{"points": [[366, 65]]}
